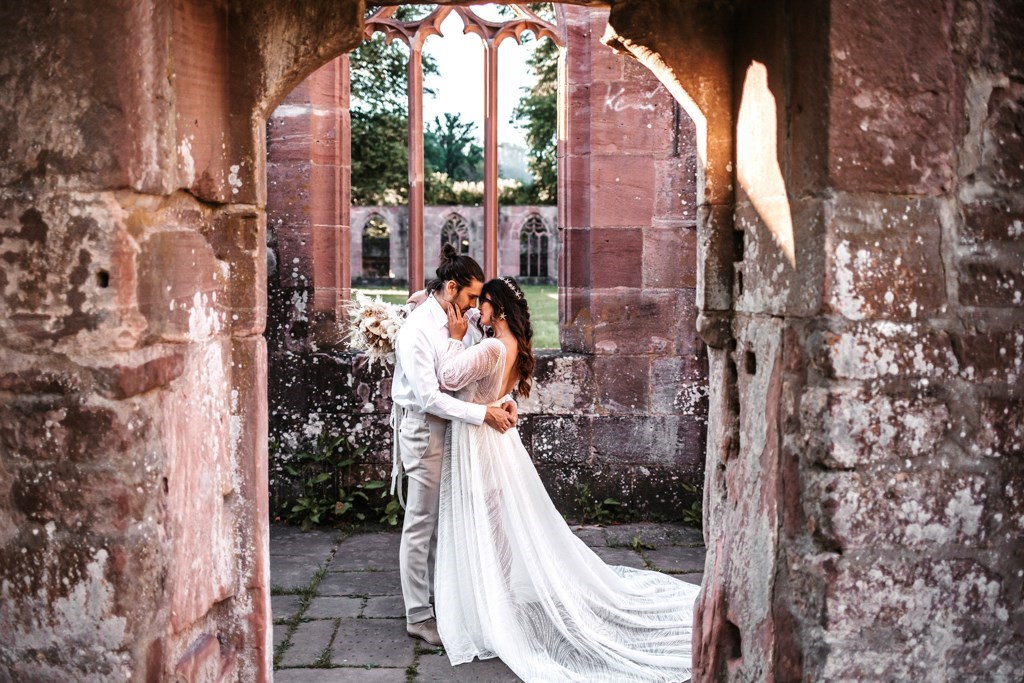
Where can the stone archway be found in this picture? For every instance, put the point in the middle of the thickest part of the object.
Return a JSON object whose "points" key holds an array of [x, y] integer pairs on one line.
{"points": [[865, 425]]}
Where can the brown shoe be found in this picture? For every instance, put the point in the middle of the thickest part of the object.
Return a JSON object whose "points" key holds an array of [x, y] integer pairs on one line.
{"points": [[425, 631]]}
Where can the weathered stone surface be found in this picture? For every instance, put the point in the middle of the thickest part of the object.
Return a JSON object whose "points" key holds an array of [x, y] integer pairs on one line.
{"points": [[879, 350], [995, 282], [666, 441], [901, 508], [939, 613], [310, 640], [367, 642], [360, 583], [885, 259], [993, 220], [781, 269], [670, 257], [334, 607], [854, 427], [894, 65]]}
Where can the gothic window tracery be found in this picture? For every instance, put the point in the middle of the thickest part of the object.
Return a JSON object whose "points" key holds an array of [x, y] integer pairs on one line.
{"points": [[376, 247], [533, 247], [455, 232]]}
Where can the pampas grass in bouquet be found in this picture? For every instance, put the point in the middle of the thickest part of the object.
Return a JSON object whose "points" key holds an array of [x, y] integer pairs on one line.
{"points": [[375, 324]]}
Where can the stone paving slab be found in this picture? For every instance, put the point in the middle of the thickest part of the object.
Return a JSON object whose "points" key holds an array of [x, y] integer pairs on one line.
{"points": [[291, 541], [658, 535], [354, 555], [293, 573], [309, 641], [695, 579], [280, 633], [620, 557], [435, 668], [591, 535], [333, 607], [340, 675], [371, 630], [360, 583], [376, 642], [677, 559], [284, 607], [385, 607]]}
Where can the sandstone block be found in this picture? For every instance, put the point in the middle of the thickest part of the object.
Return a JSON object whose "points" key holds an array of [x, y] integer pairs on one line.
{"points": [[856, 427], [993, 220], [562, 383], [288, 134], [666, 441], [55, 430], [902, 508], [895, 66], [561, 440], [679, 385], [993, 356], [623, 190], [669, 257], [886, 350], [622, 384], [901, 605], [630, 117], [996, 282], [884, 258], [182, 287], [617, 257], [659, 322], [781, 254], [676, 194], [715, 256]]}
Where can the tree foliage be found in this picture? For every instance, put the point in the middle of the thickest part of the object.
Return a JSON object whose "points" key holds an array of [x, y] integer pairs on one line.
{"points": [[537, 114], [450, 146]]}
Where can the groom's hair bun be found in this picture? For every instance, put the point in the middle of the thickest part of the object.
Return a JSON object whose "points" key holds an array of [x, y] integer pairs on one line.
{"points": [[461, 268]]}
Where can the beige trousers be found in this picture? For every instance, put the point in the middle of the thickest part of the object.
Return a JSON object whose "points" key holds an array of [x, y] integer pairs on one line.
{"points": [[420, 440]]}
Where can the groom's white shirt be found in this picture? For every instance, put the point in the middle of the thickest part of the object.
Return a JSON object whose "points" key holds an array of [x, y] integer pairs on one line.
{"points": [[419, 347]]}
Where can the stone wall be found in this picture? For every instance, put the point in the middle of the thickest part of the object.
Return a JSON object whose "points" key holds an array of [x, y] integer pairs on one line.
{"points": [[861, 301], [133, 507], [863, 501], [621, 410], [510, 222]]}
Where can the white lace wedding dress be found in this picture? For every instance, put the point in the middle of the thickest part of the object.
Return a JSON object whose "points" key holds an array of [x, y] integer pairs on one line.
{"points": [[512, 580]]}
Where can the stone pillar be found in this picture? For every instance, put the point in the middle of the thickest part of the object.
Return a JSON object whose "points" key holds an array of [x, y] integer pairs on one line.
{"points": [[308, 172], [861, 489], [133, 482]]}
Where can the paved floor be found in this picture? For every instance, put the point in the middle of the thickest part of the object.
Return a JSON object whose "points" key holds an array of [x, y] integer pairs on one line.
{"points": [[337, 602]]}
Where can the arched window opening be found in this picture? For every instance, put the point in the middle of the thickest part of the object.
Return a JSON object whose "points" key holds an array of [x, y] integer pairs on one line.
{"points": [[455, 232], [533, 248], [376, 247]]}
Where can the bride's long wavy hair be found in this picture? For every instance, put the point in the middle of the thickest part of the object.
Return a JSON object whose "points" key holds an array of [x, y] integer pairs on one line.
{"points": [[507, 297]]}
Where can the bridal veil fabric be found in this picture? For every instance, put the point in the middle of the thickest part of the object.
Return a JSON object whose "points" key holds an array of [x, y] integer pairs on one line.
{"points": [[512, 580]]}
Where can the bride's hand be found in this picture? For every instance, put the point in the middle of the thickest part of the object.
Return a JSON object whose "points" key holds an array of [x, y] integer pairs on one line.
{"points": [[457, 324]]}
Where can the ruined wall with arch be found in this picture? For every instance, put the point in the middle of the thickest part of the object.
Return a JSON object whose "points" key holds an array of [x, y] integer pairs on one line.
{"points": [[619, 411], [864, 493]]}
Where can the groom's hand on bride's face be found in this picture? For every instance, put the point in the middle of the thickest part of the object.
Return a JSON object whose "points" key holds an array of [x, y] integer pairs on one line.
{"points": [[457, 323], [513, 412], [498, 419]]}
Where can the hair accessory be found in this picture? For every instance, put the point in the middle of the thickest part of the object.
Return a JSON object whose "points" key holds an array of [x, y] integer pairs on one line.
{"points": [[515, 290]]}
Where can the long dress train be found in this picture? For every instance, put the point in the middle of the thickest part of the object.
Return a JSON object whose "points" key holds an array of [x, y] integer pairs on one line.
{"points": [[513, 581]]}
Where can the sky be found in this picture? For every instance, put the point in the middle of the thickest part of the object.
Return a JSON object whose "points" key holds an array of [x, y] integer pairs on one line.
{"points": [[460, 84]]}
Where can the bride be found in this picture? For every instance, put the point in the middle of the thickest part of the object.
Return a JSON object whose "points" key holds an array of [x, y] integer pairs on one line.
{"points": [[511, 579]]}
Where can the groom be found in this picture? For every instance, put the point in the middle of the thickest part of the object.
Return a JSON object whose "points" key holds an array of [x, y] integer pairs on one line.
{"points": [[421, 415]]}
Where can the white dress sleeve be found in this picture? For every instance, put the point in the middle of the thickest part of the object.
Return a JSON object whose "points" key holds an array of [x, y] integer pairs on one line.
{"points": [[461, 366]]}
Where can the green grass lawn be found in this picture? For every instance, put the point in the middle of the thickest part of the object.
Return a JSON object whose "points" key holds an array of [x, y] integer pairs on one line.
{"points": [[543, 300]]}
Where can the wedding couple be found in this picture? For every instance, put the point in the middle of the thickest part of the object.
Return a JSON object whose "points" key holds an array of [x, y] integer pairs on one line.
{"points": [[489, 567]]}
